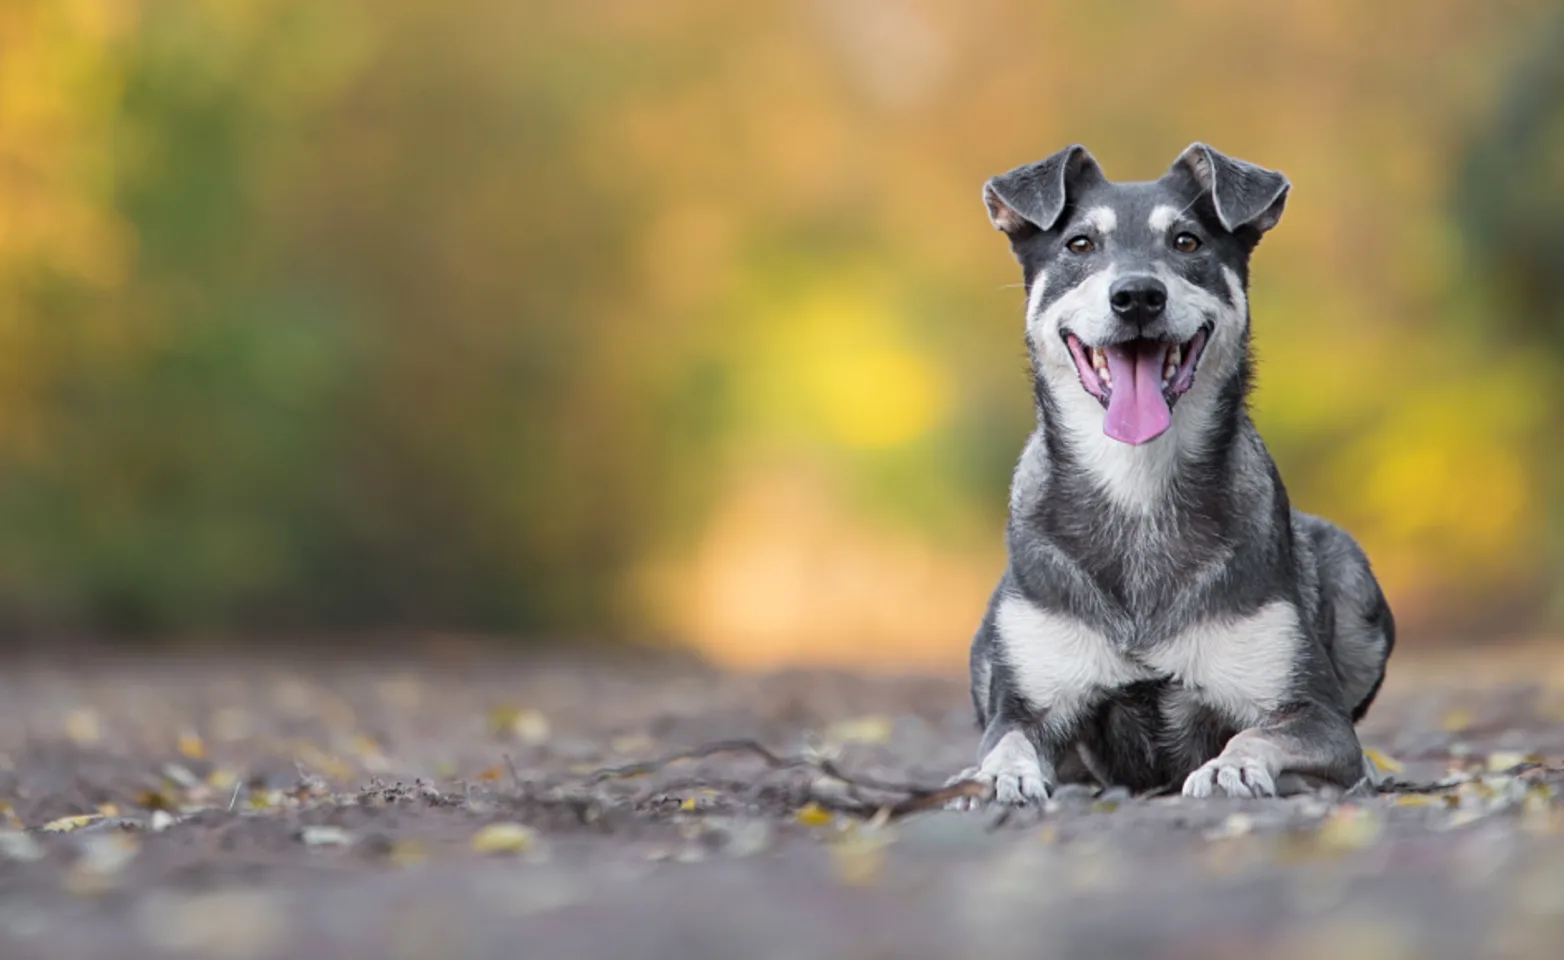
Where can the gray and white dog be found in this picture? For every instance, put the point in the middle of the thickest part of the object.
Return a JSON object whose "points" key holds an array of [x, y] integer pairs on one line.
{"points": [[1166, 617]]}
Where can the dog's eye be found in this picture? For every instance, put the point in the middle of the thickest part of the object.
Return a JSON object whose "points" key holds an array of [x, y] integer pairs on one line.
{"points": [[1186, 243], [1081, 244]]}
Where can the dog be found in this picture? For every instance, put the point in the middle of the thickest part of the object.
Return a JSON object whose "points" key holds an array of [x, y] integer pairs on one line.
{"points": [[1166, 619]]}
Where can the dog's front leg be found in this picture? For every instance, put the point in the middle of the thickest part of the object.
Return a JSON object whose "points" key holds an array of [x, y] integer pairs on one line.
{"points": [[1019, 761], [1294, 747]]}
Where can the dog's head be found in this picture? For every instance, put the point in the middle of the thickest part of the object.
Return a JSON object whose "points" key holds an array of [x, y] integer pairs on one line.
{"points": [[1136, 291]]}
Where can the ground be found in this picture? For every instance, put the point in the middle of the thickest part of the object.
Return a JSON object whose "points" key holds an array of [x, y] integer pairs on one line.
{"points": [[303, 807]]}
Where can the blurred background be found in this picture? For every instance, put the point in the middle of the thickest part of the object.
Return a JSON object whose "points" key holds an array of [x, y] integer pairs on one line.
{"points": [[683, 321]]}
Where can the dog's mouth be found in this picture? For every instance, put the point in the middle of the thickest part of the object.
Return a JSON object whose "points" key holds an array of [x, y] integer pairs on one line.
{"points": [[1138, 381]]}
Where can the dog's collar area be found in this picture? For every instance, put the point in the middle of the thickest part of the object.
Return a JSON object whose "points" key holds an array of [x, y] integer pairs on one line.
{"points": [[1137, 381]]}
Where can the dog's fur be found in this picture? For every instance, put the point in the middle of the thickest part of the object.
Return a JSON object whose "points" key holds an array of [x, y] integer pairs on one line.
{"points": [[1166, 617]]}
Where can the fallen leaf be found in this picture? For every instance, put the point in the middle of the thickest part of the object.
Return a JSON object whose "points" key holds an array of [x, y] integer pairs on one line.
{"points": [[180, 776], [520, 723], [503, 838], [1349, 828], [812, 814], [191, 747], [67, 824], [687, 804], [328, 764], [155, 800], [1455, 720], [1383, 760], [869, 729], [82, 726], [1417, 800], [859, 857], [1501, 760], [407, 853], [492, 773]]}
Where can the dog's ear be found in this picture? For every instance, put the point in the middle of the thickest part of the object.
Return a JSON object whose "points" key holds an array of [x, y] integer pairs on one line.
{"points": [[1244, 195], [1031, 198]]}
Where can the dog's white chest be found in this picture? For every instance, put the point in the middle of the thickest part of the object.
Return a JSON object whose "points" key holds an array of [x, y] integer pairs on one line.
{"points": [[1241, 666]]}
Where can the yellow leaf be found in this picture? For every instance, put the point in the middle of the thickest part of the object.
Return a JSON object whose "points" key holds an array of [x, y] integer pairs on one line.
{"points": [[1455, 720], [108, 809], [1506, 759], [67, 824], [503, 838], [407, 853], [82, 726], [871, 729], [222, 778], [191, 746], [1416, 800], [491, 773], [1349, 828], [688, 804], [859, 857], [813, 815], [1383, 760], [519, 723]]}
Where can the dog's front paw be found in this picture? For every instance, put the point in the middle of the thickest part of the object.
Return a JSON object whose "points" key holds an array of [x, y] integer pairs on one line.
{"points": [[1230, 776], [1014, 780]]}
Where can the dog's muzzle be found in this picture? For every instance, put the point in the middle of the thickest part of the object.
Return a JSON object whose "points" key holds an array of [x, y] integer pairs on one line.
{"points": [[1138, 381]]}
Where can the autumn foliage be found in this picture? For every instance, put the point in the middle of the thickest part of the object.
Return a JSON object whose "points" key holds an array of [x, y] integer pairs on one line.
{"points": [[684, 317]]}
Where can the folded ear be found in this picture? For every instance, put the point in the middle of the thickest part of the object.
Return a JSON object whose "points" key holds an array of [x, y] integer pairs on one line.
{"points": [[1032, 197], [1244, 195]]}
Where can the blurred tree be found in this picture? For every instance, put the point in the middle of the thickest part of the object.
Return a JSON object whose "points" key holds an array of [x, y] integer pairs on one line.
{"points": [[1510, 200], [479, 314]]}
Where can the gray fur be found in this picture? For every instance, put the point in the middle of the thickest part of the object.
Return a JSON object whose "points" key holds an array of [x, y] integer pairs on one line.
{"points": [[1171, 619]]}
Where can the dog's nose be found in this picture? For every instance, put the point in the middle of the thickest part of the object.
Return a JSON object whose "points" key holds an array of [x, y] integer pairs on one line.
{"points": [[1138, 299]]}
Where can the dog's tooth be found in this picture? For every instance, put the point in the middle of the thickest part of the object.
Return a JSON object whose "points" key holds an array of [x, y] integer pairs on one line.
{"points": [[1174, 356]]}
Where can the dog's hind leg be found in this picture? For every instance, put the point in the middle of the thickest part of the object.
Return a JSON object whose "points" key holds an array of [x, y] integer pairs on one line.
{"points": [[1357, 628]]}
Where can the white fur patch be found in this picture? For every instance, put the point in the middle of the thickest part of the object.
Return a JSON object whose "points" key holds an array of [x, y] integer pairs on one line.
{"points": [[1162, 217], [1242, 667], [1014, 770], [1058, 661], [1084, 309], [1034, 298], [1102, 219]]}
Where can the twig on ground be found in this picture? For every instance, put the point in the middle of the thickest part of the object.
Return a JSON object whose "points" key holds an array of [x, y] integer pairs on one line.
{"points": [[910, 798]]}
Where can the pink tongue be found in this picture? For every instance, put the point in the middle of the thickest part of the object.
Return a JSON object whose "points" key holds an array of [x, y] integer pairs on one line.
{"points": [[1137, 411]]}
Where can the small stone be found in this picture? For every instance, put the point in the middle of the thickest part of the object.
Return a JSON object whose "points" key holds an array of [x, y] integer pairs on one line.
{"points": [[20, 847], [324, 836]]}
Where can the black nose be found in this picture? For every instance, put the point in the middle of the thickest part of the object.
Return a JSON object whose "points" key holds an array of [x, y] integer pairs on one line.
{"points": [[1138, 299]]}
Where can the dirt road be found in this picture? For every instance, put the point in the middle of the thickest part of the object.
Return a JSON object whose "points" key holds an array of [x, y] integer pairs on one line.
{"points": [[257, 809]]}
